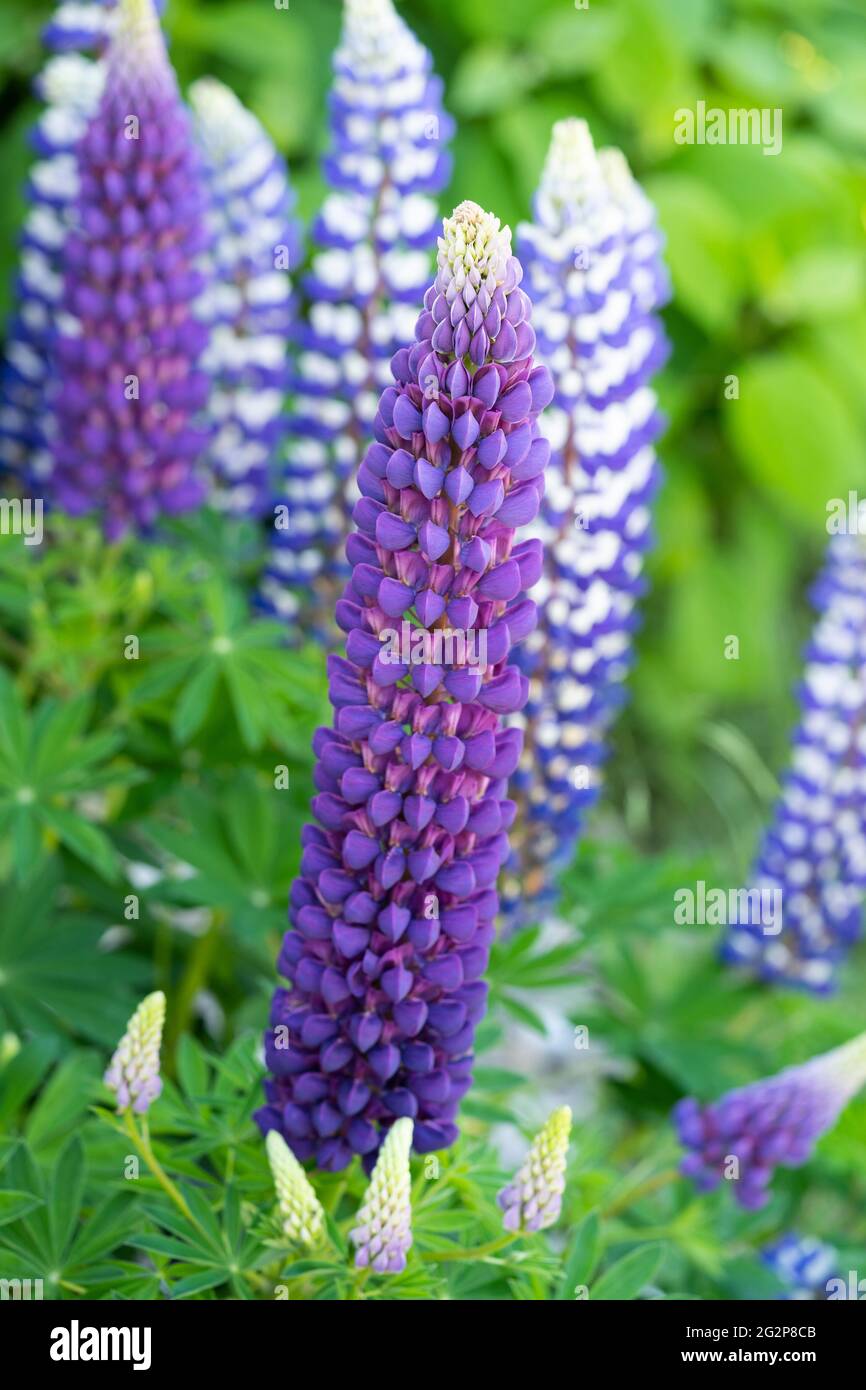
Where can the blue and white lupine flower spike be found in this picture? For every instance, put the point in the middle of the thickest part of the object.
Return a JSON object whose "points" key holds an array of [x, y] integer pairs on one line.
{"points": [[814, 852], [249, 303], [593, 271], [375, 235], [70, 86], [803, 1264]]}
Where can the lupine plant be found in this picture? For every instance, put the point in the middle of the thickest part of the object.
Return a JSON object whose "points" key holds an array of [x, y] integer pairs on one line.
{"points": [[374, 236], [593, 266], [452, 1111]]}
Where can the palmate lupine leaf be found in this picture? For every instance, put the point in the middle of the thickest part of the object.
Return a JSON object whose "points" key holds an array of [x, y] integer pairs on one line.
{"points": [[49, 982], [232, 836], [65, 1239], [217, 655], [48, 764]]}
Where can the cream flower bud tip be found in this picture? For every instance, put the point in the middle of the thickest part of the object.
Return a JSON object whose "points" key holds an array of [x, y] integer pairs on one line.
{"points": [[533, 1200], [133, 1073], [383, 1235], [302, 1214], [474, 244]]}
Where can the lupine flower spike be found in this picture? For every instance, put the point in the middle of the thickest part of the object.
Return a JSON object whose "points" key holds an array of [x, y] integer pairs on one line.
{"points": [[248, 298], [70, 86], [533, 1200], [594, 273], [803, 1264], [133, 1073], [383, 1236], [814, 853], [130, 391], [246, 302], [303, 1218], [375, 235], [772, 1123], [393, 913]]}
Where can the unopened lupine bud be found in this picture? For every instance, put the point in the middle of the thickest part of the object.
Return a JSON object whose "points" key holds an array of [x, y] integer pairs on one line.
{"points": [[130, 393], [533, 1199], [812, 863], [393, 912], [303, 1218], [383, 1235], [594, 274], [377, 227], [773, 1123], [134, 1070]]}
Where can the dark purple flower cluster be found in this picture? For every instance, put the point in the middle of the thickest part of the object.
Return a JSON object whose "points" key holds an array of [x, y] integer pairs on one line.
{"points": [[393, 913], [129, 389]]}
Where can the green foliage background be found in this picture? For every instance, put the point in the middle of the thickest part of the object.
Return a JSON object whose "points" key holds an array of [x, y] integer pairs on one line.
{"points": [[156, 776]]}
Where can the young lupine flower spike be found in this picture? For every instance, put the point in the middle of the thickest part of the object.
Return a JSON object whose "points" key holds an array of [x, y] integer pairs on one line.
{"points": [[383, 1235], [134, 1070], [301, 1211], [248, 301], [773, 1123], [813, 859], [533, 1200], [393, 913], [594, 274], [375, 233], [130, 390]]}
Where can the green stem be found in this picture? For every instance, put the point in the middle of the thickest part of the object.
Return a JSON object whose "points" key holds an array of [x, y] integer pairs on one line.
{"points": [[194, 979], [141, 1140], [478, 1252], [642, 1190]]}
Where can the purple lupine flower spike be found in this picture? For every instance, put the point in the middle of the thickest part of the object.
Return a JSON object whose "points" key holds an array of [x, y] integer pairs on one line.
{"points": [[393, 913], [594, 273], [248, 300], [374, 238], [129, 390], [813, 858], [773, 1123], [70, 86]]}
